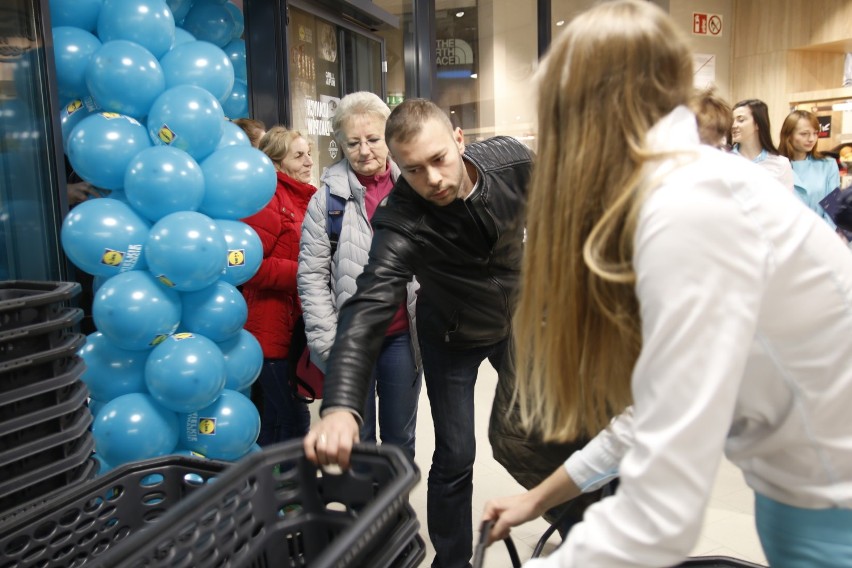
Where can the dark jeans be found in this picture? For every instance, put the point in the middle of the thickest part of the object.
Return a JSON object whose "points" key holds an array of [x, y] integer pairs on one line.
{"points": [[450, 380], [398, 383], [284, 416]]}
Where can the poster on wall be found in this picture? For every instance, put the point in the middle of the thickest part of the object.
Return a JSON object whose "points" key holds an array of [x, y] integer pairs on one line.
{"points": [[315, 84]]}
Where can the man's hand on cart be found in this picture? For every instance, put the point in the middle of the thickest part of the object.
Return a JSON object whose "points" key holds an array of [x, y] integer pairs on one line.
{"points": [[330, 441]]}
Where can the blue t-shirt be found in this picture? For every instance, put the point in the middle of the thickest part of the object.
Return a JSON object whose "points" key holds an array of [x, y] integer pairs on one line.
{"points": [[813, 180]]}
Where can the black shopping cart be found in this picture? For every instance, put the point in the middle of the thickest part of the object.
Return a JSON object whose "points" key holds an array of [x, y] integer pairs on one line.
{"points": [[694, 562]]}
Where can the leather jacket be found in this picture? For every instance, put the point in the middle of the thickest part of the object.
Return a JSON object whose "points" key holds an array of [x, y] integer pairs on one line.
{"points": [[466, 256]]}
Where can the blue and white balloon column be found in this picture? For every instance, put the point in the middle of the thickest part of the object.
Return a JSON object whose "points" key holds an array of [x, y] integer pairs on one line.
{"points": [[147, 86]]}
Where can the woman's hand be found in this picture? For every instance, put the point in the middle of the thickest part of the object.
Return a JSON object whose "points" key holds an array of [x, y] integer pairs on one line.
{"points": [[508, 512]]}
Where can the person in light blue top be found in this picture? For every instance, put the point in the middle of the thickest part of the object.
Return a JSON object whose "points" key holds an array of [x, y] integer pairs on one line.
{"points": [[751, 136], [814, 175]]}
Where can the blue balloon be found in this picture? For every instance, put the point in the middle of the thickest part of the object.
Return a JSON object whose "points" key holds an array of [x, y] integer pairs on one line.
{"points": [[149, 23], [103, 466], [163, 180], [217, 312], [179, 8], [101, 146], [97, 282], [236, 51], [187, 453], [110, 370], [239, 20], [245, 251], [243, 360], [233, 135], [134, 427], [117, 195], [125, 77], [95, 406], [104, 237], [212, 22], [72, 113], [182, 36], [202, 64], [189, 118], [135, 311], [239, 182], [185, 373], [186, 251], [236, 104], [224, 430], [81, 14], [73, 49]]}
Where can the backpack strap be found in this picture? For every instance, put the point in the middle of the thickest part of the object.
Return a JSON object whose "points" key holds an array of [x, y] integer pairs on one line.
{"points": [[336, 206]]}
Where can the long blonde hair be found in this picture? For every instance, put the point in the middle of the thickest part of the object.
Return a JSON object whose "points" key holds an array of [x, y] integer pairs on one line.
{"points": [[614, 72]]}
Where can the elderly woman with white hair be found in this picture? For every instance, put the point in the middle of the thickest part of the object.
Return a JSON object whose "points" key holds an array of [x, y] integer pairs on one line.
{"points": [[330, 260]]}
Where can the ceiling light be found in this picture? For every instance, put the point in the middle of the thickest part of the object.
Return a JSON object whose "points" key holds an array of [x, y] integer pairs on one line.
{"points": [[560, 23], [459, 14]]}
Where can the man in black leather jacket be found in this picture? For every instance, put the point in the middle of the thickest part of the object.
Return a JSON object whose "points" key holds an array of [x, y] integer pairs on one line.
{"points": [[455, 221]]}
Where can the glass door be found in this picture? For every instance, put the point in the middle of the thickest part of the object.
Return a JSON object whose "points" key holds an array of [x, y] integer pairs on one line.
{"points": [[29, 203], [327, 59]]}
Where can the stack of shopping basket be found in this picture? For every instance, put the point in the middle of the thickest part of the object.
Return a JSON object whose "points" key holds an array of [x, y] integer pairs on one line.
{"points": [[45, 424], [272, 508]]}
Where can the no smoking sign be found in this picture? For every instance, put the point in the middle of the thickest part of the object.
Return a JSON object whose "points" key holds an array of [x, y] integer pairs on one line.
{"points": [[706, 24]]}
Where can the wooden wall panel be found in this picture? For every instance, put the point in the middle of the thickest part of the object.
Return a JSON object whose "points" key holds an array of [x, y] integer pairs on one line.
{"points": [[788, 46]]}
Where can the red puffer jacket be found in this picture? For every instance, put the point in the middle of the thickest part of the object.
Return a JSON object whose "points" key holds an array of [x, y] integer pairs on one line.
{"points": [[273, 302]]}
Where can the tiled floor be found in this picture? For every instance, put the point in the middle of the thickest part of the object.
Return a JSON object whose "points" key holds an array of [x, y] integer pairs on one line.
{"points": [[728, 524]]}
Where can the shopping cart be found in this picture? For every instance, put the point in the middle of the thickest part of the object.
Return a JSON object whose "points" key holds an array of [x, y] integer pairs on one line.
{"points": [[694, 562]]}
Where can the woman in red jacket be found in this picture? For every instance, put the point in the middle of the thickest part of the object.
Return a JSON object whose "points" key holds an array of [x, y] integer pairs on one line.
{"points": [[273, 303]]}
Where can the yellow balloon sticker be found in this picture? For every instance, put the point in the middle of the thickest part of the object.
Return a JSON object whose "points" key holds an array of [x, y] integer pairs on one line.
{"points": [[112, 257], [184, 335], [237, 257], [110, 115], [158, 339], [166, 134], [74, 106], [207, 426], [165, 281]]}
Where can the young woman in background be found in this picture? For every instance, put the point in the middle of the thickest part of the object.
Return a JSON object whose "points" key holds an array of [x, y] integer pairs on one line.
{"points": [[815, 175], [752, 139]]}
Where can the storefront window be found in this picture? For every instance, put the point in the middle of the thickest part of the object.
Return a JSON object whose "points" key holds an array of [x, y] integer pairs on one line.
{"points": [[29, 216], [486, 56], [327, 60]]}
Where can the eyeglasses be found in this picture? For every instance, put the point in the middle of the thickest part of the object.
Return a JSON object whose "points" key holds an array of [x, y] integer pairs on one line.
{"points": [[372, 143]]}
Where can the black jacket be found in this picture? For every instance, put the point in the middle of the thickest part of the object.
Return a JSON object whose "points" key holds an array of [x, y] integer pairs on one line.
{"points": [[466, 257]]}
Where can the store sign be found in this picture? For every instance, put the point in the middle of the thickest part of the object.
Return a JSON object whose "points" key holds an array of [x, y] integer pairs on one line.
{"points": [[708, 25], [453, 52]]}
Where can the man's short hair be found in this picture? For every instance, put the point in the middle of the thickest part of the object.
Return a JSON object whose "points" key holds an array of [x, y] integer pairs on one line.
{"points": [[408, 118]]}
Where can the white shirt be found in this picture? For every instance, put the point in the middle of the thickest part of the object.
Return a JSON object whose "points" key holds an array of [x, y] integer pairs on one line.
{"points": [[746, 305]]}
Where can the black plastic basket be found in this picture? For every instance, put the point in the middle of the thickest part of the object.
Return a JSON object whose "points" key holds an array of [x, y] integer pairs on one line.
{"points": [[89, 519], [42, 336], [275, 508], [24, 302], [46, 449], [29, 369], [40, 395], [55, 414]]}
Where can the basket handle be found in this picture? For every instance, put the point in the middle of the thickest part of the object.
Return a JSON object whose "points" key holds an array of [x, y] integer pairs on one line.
{"points": [[479, 551]]}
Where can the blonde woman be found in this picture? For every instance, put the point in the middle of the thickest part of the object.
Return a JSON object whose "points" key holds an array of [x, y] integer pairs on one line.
{"points": [[681, 291], [273, 304]]}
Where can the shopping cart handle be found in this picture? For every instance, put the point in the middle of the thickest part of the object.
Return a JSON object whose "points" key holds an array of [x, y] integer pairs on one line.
{"points": [[482, 543]]}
